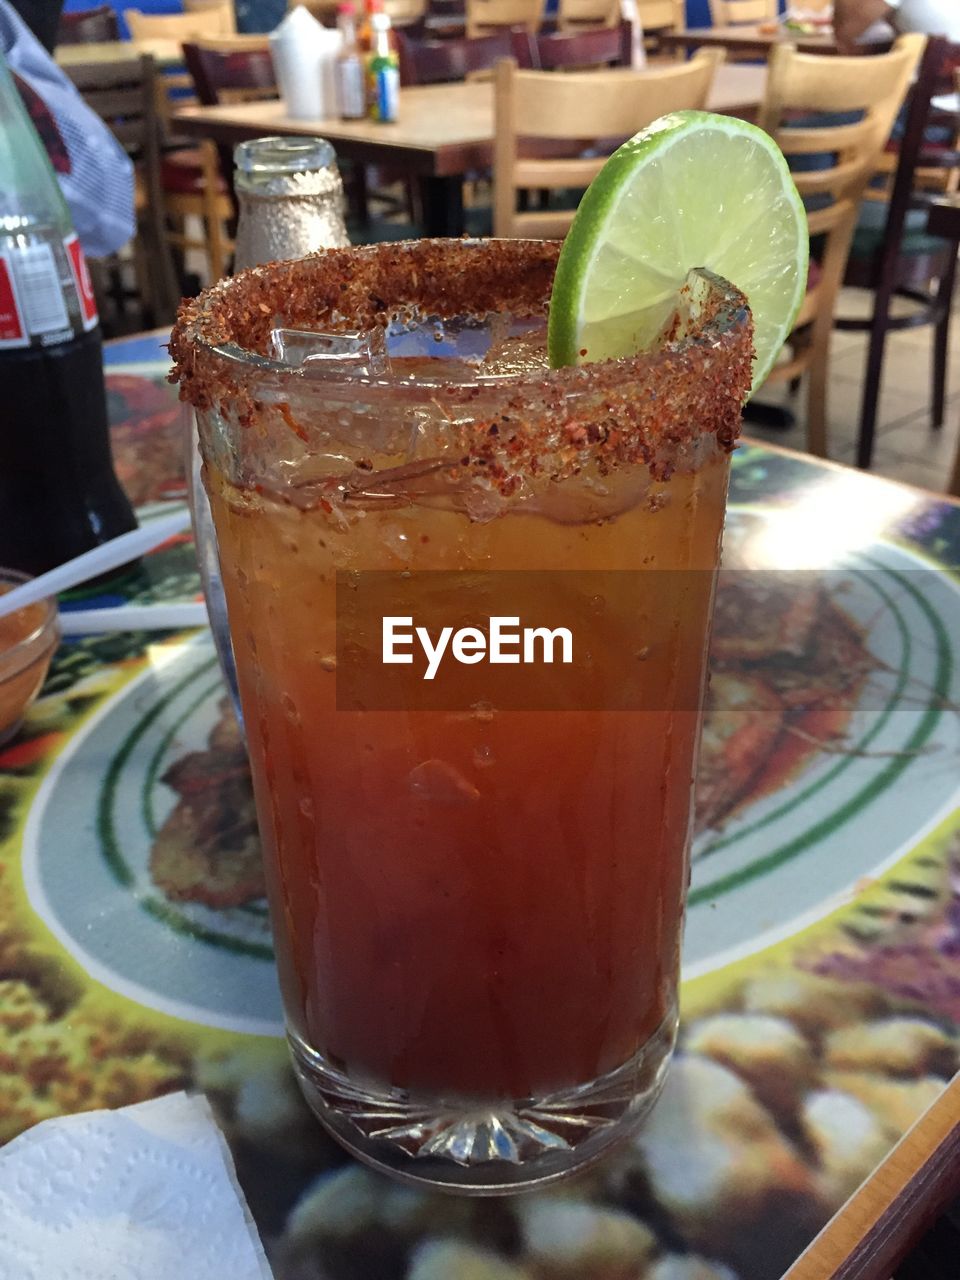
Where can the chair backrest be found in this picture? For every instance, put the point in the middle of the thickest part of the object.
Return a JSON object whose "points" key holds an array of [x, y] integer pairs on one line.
{"points": [[831, 118], [237, 69], [572, 15], [456, 58], [204, 6], [484, 16], [405, 13], [917, 158], [124, 96], [579, 50], [590, 105], [727, 13], [88, 26], [207, 24], [872, 88], [661, 15]]}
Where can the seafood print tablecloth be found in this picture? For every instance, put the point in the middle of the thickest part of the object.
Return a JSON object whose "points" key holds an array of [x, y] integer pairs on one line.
{"points": [[821, 1000]]}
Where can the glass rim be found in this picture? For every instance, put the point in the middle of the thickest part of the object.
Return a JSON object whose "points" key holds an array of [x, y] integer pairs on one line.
{"points": [[44, 634], [729, 310], [651, 407], [282, 154]]}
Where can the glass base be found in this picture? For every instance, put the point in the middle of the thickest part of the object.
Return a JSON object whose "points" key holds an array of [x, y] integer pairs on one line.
{"points": [[482, 1148]]}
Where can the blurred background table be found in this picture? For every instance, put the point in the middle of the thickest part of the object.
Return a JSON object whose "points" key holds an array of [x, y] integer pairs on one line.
{"points": [[444, 132], [821, 1007], [757, 39], [108, 53]]}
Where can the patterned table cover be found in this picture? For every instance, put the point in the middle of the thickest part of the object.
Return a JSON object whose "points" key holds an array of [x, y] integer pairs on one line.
{"points": [[821, 996]]}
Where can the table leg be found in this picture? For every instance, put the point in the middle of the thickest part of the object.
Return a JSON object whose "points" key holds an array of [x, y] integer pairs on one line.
{"points": [[442, 205]]}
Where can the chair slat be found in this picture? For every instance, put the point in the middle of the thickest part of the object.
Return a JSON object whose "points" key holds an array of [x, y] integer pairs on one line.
{"points": [[543, 226], [799, 141], [484, 15], [217, 20], [609, 104], [554, 174], [577, 50], [110, 103], [726, 13], [536, 110], [841, 177], [803, 84], [88, 26]]}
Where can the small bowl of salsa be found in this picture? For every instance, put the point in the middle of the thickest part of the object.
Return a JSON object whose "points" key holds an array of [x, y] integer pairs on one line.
{"points": [[28, 639]]}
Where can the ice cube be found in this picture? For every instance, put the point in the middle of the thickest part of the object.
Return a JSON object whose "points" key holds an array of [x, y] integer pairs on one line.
{"points": [[328, 354]]}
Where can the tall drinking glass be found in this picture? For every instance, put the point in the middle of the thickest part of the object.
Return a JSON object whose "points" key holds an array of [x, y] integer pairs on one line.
{"points": [[476, 876]]}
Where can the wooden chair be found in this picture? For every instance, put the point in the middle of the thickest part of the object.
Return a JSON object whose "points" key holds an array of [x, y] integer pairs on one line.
{"points": [[235, 69], [484, 16], [205, 24], [406, 15], [894, 255], [459, 57], [727, 13], [580, 50], [204, 6], [658, 16], [574, 15], [124, 95], [231, 69], [662, 15], [586, 105], [872, 89], [88, 26]]}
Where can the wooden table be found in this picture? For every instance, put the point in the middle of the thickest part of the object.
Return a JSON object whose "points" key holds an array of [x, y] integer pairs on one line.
{"points": [[444, 132], [748, 38], [166, 53], [771, 1152]]}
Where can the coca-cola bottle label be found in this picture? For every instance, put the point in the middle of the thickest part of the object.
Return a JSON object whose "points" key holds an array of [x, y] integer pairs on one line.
{"points": [[43, 307], [13, 331], [81, 278]]}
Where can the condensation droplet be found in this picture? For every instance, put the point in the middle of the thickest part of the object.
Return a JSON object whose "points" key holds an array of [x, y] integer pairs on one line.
{"points": [[643, 654], [289, 708], [328, 662], [306, 808], [483, 757], [483, 711], [440, 782]]}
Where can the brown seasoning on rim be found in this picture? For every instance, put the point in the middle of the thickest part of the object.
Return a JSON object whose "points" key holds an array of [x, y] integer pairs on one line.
{"points": [[646, 409]]}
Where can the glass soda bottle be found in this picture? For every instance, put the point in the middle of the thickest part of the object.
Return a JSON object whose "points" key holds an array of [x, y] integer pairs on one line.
{"points": [[59, 495], [383, 73], [351, 95]]}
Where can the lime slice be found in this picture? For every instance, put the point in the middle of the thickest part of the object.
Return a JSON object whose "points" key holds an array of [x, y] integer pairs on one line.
{"points": [[691, 190]]}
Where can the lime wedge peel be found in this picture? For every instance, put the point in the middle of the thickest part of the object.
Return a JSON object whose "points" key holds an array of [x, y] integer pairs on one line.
{"points": [[692, 190]]}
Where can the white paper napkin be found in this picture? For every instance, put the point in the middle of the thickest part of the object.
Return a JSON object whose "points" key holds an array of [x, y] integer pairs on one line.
{"points": [[304, 54], [146, 1192]]}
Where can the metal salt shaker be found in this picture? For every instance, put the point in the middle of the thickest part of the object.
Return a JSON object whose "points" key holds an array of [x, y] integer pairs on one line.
{"points": [[290, 199]]}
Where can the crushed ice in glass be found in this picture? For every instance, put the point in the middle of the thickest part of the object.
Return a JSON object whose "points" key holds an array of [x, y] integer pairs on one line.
{"points": [[464, 349]]}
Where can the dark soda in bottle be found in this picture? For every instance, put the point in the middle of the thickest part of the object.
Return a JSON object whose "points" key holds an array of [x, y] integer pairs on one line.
{"points": [[59, 495]]}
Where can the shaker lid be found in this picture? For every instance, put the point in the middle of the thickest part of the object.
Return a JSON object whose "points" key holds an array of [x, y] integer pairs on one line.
{"points": [[283, 155]]}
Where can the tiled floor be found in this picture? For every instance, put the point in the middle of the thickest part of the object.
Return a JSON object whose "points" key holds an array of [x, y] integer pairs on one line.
{"points": [[907, 447]]}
